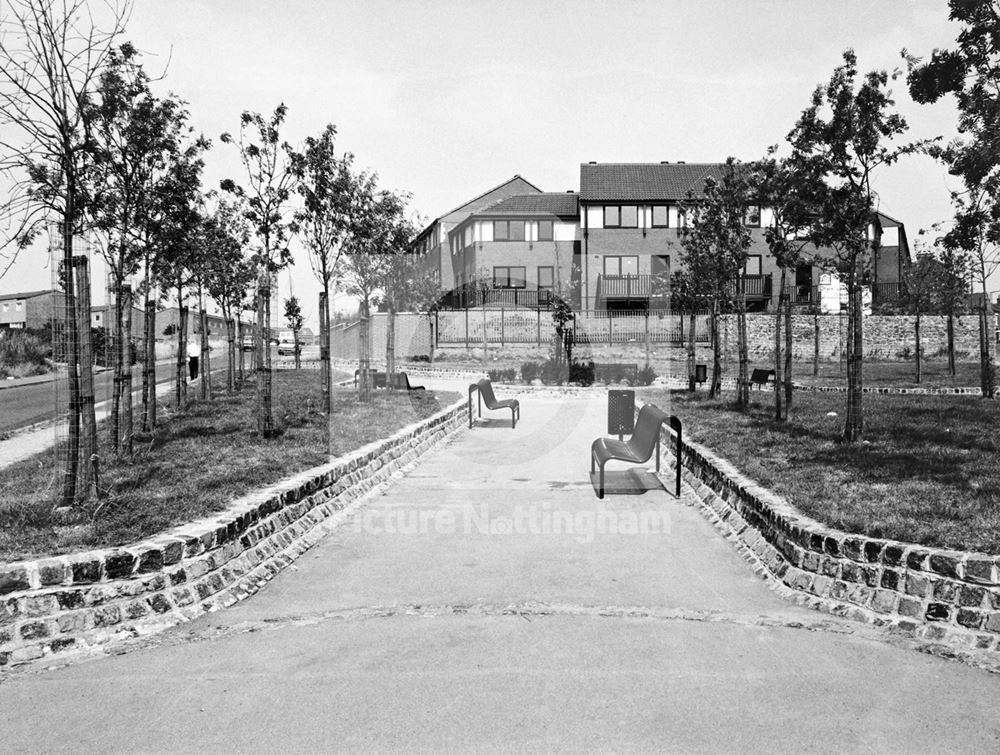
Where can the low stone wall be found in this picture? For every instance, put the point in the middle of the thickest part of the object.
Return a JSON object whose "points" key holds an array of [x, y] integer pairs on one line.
{"points": [[77, 602], [928, 593]]}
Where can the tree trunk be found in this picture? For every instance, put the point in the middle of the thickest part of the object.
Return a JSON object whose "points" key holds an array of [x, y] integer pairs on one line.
{"points": [[241, 334], [149, 366], [390, 348], [118, 366], [205, 368], [180, 385], [230, 352], [89, 489], [692, 355], [262, 351], [74, 365], [916, 338], [298, 349], [854, 421], [324, 348], [788, 356], [951, 344], [127, 418], [364, 360], [716, 385], [779, 374], [743, 374], [815, 343], [986, 371]]}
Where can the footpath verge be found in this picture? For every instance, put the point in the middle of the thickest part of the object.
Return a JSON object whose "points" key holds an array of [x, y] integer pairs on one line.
{"points": [[76, 603], [931, 594]]}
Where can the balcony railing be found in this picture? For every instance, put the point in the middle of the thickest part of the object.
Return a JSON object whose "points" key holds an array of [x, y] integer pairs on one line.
{"points": [[531, 298], [802, 294], [623, 286], [882, 293]]}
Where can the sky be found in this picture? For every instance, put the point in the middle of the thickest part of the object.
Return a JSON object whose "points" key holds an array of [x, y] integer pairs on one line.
{"points": [[445, 100]]}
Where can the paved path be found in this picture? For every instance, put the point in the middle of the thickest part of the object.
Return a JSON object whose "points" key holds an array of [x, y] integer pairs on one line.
{"points": [[463, 633]]}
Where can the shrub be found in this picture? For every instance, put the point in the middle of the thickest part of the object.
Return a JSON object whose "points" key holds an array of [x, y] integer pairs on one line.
{"points": [[420, 358], [502, 376], [582, 373], [646, 376], [23, 353], [553, 372], [529, 371]]}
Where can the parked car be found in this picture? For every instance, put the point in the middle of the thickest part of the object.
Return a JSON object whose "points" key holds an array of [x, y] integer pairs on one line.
{"points": [[247, 343], [286, 346]]}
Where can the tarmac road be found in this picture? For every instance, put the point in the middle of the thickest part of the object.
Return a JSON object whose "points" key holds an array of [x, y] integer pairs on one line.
{"points": [[453, 613]]}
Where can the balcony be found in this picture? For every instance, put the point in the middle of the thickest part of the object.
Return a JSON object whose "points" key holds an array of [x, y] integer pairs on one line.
{"points": [[623, 286], [498, 298], [883, 293]]}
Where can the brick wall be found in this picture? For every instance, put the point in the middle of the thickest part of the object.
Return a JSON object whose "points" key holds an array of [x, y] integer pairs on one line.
{"points": [[77, 602]]}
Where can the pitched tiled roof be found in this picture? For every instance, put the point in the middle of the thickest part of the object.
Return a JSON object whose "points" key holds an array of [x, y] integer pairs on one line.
{"points": [[644, 182], [23, 295], [548, 203]]}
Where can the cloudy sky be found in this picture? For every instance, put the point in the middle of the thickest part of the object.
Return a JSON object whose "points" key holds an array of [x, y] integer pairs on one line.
{"points": [[447, 99]]}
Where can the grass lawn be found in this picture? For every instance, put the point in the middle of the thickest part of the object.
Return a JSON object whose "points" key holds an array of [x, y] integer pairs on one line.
{"points": [[198, 462], [928, 471]]}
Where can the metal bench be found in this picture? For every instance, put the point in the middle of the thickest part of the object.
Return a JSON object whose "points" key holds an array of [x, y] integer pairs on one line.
{"points": [[378, 378], [760, 377], [402, 381], [637, 449], [485, 388]]}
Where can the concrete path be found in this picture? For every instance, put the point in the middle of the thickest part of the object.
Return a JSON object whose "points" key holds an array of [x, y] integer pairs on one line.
{"points": [[488, 602]]}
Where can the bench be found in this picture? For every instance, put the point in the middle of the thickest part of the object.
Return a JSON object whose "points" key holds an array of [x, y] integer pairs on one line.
{"points": [[402, 381], [760, 377], [637, 449], [378, 378], [485, 388]]}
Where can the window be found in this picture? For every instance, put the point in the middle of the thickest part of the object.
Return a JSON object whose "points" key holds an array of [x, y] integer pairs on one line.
{"points": [[624, 216], [752, 216], [508, 277], [661, 219], [753, 265], [660, 265], [621, 265], [546, 277], [508, 230], [544, 230]]}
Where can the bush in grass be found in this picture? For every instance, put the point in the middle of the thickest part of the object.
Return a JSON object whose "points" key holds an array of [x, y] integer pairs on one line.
{"points": [[646, 376], [529, 371], [582, 373], [553, 372], [23, 353], [502, 376]]}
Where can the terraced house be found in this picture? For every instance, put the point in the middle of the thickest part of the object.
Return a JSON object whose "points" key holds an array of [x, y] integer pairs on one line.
{"points": [[613, 246]]}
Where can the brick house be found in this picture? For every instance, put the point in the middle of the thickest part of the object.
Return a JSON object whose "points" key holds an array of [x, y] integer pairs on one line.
{"points": [[631, 221], [524, 246], [432, 242]]}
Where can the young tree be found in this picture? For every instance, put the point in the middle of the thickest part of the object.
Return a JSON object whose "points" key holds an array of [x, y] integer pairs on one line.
{"points": [[951, 292], [294, 318], [229, 275], [918, 299], [717, 243], [326, 184], [971, 72], [51, 55], [791, 188], [364, 262], [270, 182], [136, 136], [849, 129]]}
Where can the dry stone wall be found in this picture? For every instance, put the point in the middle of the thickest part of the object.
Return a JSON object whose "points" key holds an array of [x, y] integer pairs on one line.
{"points": [[931, 594], [885, 336], [77, 602]]}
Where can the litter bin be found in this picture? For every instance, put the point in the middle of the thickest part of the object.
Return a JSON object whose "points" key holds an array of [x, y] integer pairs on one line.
{"points": [[621, 413], [700, 373]]}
